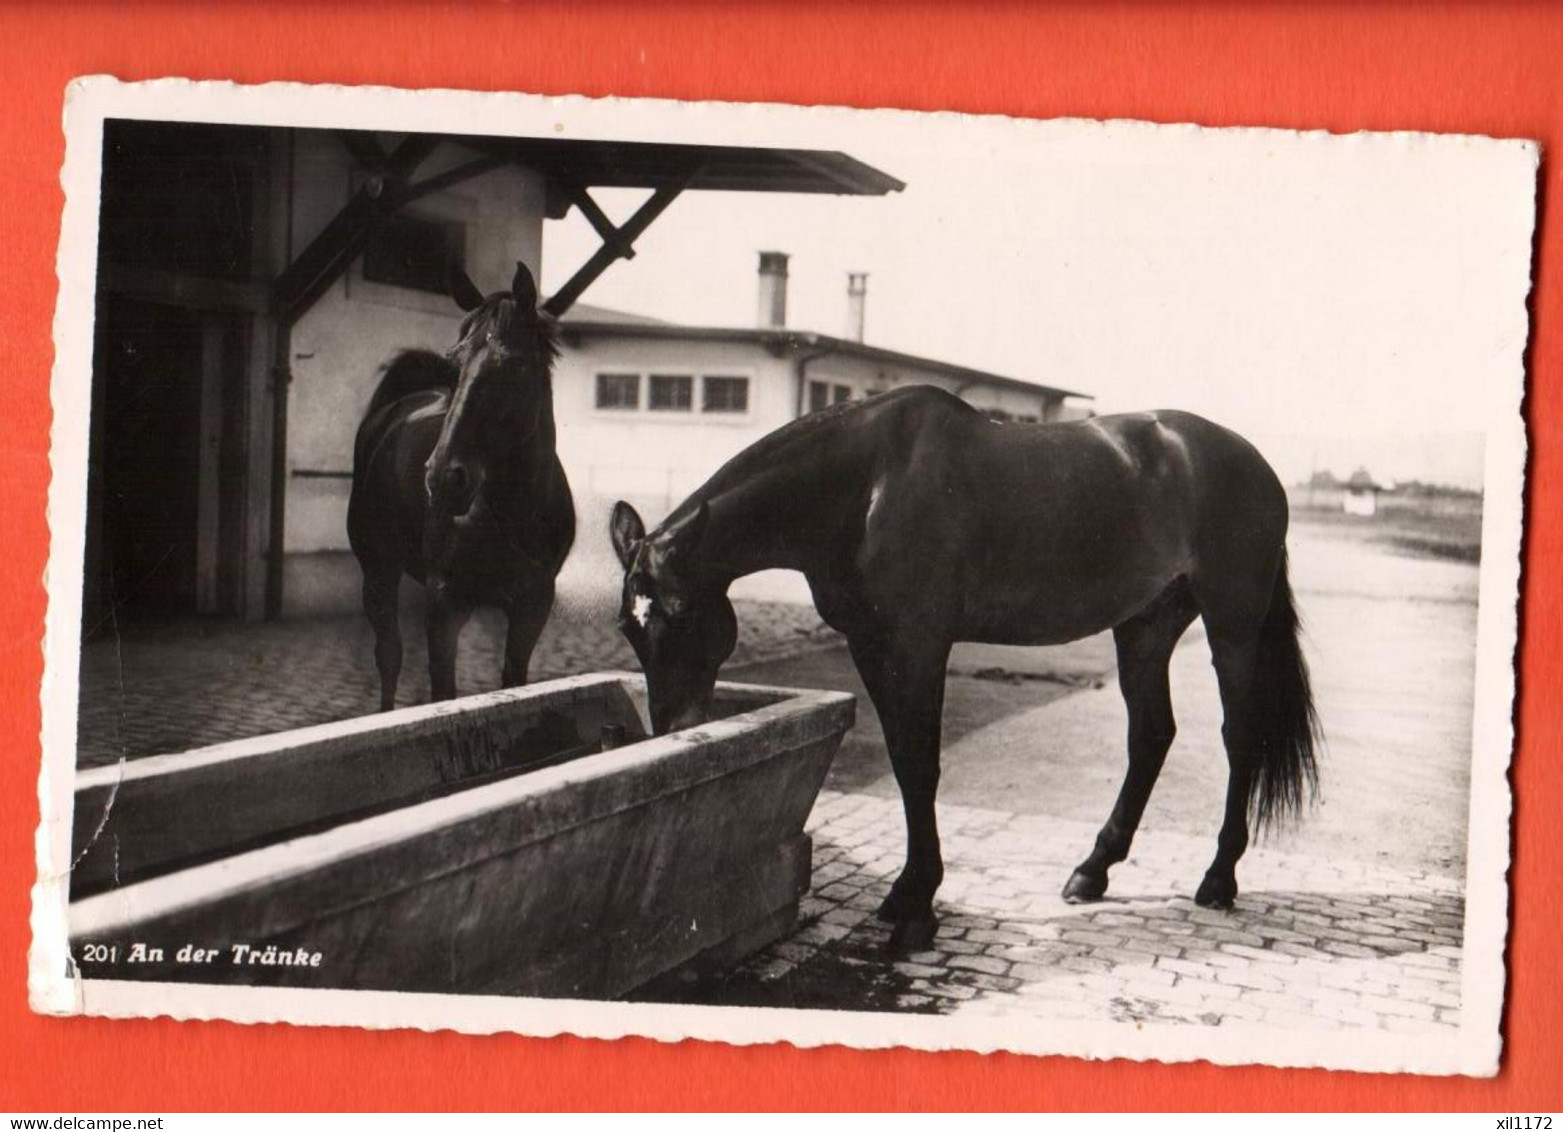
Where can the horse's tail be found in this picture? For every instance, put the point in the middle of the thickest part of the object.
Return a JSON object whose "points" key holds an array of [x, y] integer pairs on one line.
{"points": [[412, 371], [1284, 726]]}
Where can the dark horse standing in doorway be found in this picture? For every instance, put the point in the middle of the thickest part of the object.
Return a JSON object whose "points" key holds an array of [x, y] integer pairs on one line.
{"points": [[919, 523], [456, 483]]}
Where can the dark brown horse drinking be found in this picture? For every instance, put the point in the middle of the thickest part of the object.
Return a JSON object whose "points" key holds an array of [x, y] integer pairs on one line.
{"points": [[919, 523], [456, 484]]}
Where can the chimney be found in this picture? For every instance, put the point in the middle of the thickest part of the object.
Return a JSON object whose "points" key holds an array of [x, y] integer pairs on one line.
{"points": [[857, 294], [773, 290]]}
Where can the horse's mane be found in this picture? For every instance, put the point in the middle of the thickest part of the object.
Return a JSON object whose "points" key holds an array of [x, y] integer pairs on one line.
{"points": [[763, 453], [819, 427], [413, 371], [548, 336]]}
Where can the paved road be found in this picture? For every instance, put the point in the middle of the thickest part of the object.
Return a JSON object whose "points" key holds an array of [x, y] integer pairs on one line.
{"points": [[1313, 944]]}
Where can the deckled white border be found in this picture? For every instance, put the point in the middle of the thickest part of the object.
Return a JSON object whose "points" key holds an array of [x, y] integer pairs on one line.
{"points": [[1474, 1049]]}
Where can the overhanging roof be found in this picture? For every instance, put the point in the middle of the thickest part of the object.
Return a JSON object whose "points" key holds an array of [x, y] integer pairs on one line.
{"points": [[571, 167], [782, 341], [651, 165]]}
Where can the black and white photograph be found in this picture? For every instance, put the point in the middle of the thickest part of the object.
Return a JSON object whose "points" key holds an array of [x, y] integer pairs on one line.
{"points": [[758, 573]]}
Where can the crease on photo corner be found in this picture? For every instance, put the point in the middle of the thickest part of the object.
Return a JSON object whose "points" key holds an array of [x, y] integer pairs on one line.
{"points": [[85, 108], [103, 820]]}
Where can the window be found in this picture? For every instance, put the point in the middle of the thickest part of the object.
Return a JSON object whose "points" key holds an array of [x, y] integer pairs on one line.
{"points": [[998, 415], [618, 390], [819, 396], [671, 392], [720, 394], [840, 394], [725, 395], [416, 253]]}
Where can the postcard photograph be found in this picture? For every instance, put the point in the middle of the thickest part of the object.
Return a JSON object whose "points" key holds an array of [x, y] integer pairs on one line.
{"points": [[758, 573]]}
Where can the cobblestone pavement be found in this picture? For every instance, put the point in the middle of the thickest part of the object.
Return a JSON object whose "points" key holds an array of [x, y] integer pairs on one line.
{"points": [[191, 685], [1312, 943]]}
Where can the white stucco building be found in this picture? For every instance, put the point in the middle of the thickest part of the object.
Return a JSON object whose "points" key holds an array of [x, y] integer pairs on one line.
{"points": [[648, 410]]}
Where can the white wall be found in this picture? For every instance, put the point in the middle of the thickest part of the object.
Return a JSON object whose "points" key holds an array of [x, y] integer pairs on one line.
{"points": [[656, 458]]}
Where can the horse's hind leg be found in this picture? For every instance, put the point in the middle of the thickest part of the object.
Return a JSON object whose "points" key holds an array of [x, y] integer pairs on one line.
{"points": [[1235, 655], [526, 620], [1145, 644], [444, 628], [1246, 614], [381, 589]]}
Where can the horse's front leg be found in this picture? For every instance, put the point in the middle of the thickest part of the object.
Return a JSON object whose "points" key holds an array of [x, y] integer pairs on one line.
{"points": [[905, 680], [444, 626], [381, 588], [526, 616]]}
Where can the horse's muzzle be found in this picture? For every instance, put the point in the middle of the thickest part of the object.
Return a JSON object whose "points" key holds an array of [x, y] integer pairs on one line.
{"points": [[692, 716]]}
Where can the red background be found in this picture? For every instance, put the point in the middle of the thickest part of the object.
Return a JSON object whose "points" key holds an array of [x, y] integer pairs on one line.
{"points": [[1489, 68]]}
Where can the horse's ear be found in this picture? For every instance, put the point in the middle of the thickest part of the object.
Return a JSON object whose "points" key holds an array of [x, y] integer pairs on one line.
{"points": [[464, 291], [627, 530], [523, 288], [686, 533]]}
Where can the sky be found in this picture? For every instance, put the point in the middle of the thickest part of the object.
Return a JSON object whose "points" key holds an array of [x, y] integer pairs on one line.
{"points": [[1341, 301]]}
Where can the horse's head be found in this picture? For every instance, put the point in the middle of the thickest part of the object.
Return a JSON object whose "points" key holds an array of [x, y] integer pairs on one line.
{"points": [[676, 617], [505, 355]]}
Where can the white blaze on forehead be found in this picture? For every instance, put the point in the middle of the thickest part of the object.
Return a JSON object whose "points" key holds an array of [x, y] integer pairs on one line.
{"points": [[640, 609], [873, 499]]}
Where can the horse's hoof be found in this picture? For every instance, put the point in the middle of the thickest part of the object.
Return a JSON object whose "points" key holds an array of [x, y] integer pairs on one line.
{"points": [[1085, 888], [894, 907], [915, 933], [1216, 892]]}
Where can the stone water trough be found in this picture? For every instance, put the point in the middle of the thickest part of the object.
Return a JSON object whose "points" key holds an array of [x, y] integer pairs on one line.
{"points": [[531, 841]]}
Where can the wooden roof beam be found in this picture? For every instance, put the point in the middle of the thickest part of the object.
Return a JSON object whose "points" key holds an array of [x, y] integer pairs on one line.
{"points": [[618, 243], [364, 149], [320, 264]]}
